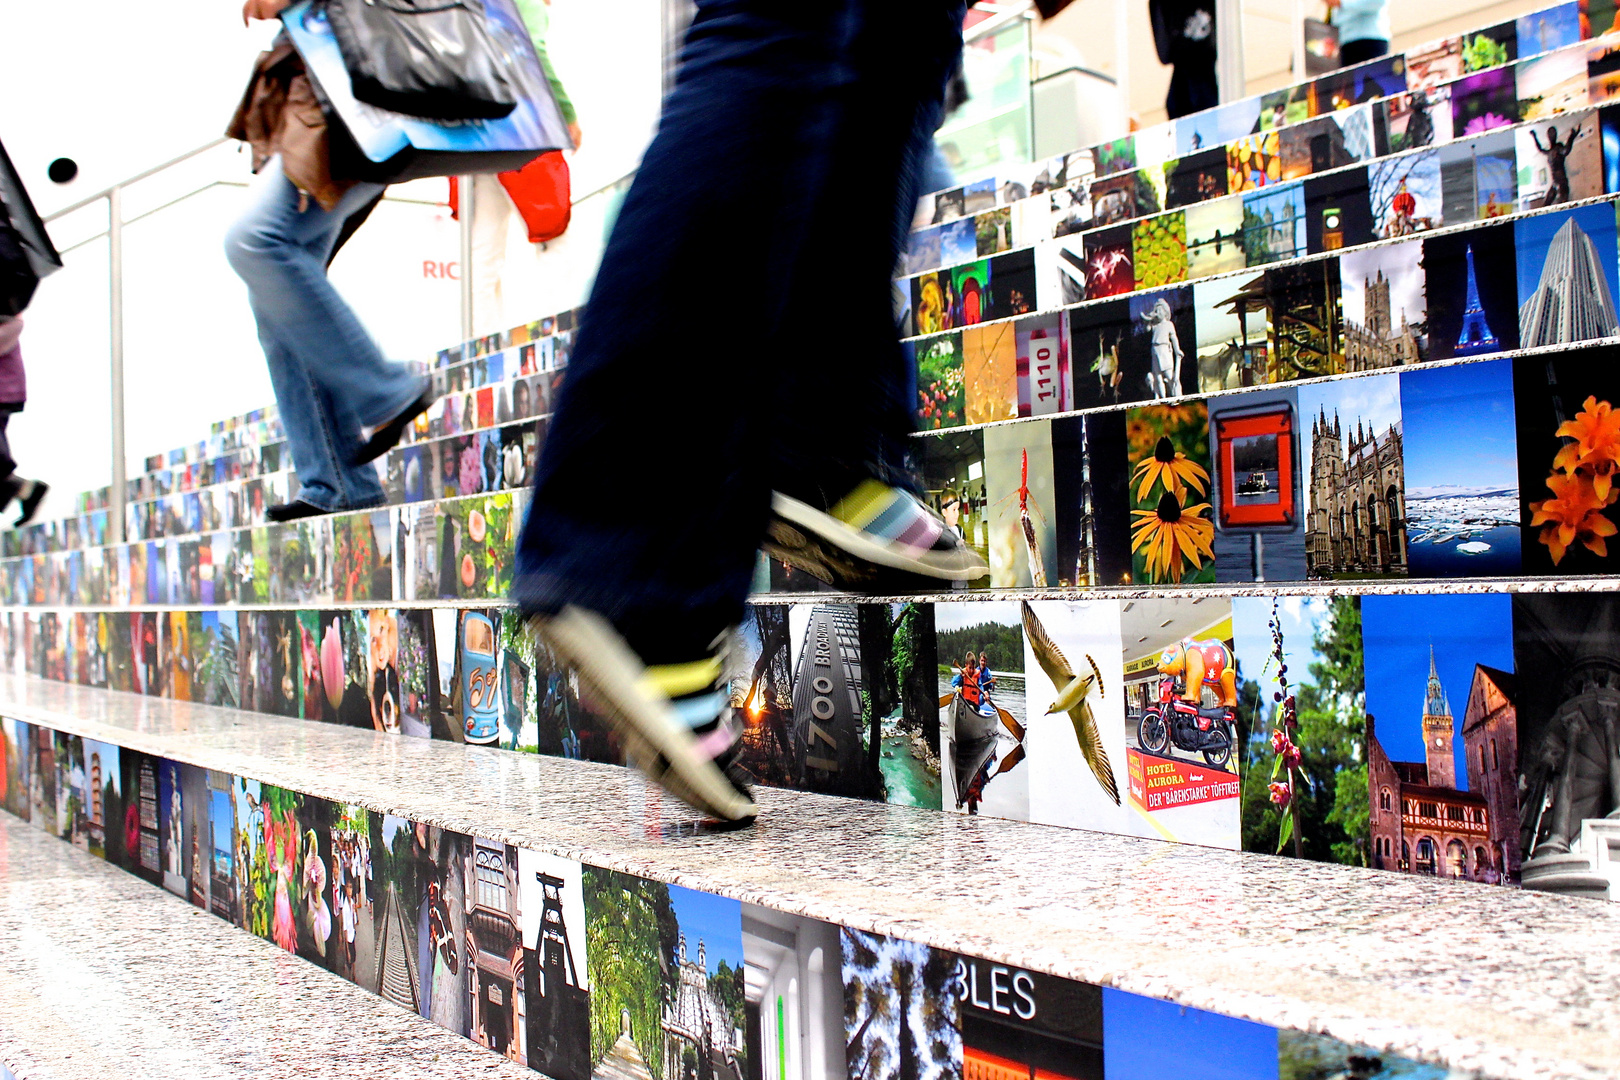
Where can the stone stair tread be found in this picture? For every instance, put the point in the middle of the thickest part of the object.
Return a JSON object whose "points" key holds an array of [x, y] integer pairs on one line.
{"points": [[1418, 966], [106, 977]]}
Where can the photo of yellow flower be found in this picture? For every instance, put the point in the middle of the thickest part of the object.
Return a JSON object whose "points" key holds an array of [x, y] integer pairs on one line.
{"points": [[1172, 526]]}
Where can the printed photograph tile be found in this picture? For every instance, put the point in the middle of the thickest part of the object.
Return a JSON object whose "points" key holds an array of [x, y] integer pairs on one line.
{"points": [[1569, 274], [1018, 1023], [953, 480], [1560, 160], [1274, 225], [418, 673], [16, 771], [901, 1018], [1045, 379], [1441, 783], [1099, 336], [1090, 480], [555, 1027], [1213, 128], [1491, 47], [1159, 250], [982, 708], [1484, 101], [1253, 161], [1405, 194], [1338, 211], [1310, 805], [1233, 333], [1552, 84], [1019, 511], [794, 996], [1462, 509], [1148, 1039], [1471, 284], [990, 372], [1569, 642], [1306, 320], [1385, 306], [1257, 487], [1077, 752], [1171, 527], [1563, 402], [657, 947], [1355, 478], [1181, 721], [1195, 178], [196, 835]]}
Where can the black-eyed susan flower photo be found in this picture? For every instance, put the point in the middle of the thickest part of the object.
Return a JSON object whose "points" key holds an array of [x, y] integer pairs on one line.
{"points": [[1172, 527]]}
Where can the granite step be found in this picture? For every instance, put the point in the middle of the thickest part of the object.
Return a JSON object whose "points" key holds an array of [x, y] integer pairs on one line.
{"points": [[107, 978], [1434, 970]]}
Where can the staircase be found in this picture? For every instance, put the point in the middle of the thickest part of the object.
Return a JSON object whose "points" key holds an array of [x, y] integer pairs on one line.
{"points": [[145, 677]]}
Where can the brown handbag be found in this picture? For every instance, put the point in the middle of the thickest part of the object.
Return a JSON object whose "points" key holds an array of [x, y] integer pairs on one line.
{"points": [[279, 114]]}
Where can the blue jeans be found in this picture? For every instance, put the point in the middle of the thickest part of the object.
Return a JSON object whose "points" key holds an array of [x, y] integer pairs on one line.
{"points": [[740, 337], [329, 377]]}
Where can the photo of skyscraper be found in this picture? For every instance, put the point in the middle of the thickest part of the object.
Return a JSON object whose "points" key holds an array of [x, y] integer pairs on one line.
{"points": [[1566, 277]]}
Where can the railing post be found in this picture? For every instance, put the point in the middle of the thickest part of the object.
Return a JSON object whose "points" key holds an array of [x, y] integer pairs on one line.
{"points": [[464, 188], [115, 337]]}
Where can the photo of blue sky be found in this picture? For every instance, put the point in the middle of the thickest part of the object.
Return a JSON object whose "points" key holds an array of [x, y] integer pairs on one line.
{"points": [[1546, 30], [714, 920], [1213, 127], [1533, 236], [1436, 406], [1397, 633], [1147, 1039], [1251, 638], [1373, 402]]}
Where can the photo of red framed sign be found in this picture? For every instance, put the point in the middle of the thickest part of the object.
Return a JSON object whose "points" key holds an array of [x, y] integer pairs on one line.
{"points": [[1255, 466]]}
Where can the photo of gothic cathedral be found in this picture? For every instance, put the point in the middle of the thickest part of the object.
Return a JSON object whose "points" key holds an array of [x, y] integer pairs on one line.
{"points": [[1441, 788], [1385, 312], [1355, 478]]}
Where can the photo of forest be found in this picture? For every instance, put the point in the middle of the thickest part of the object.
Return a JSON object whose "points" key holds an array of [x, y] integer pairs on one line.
{"points": [[900, 1011]]}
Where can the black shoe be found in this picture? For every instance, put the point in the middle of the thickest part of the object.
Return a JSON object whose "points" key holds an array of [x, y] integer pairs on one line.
{"points": [[387, 437], [293, 510], [32, 493]]}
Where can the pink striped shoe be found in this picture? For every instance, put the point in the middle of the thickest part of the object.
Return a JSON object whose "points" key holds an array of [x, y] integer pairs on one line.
{"points": [[872, 530]]}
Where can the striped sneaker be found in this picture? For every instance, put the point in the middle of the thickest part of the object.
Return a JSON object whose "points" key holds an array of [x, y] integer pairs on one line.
{"points": [[874, 529], [674, 721]]}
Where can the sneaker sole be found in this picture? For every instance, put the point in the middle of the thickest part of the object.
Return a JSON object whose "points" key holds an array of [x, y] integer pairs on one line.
{"points": [[655, 740], [960, 565]]}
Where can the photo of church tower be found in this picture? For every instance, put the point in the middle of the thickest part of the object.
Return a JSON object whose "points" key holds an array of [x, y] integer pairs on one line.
{"points": [[1569, 296], [1356, 481], [1441, 788], [1385, 313]]}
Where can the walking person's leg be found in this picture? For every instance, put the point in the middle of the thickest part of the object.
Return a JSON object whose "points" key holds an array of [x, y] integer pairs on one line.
{"points": [[329, 376], [723, 206]]}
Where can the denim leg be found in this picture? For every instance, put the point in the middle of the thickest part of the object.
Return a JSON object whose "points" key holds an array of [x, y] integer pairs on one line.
{"points": [[654, 485], [329, 376]]}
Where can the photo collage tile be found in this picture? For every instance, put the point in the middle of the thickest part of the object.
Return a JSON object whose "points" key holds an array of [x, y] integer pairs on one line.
{"points": [[584, 973], [1238, 722]]}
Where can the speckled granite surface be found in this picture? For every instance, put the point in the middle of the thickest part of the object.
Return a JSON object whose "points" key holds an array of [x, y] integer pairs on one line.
{"points": [[1505, 983], [107, 978]]}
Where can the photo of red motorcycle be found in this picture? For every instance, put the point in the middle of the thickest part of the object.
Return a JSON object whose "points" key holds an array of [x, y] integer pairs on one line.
{"points": [[1172, 721]]}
